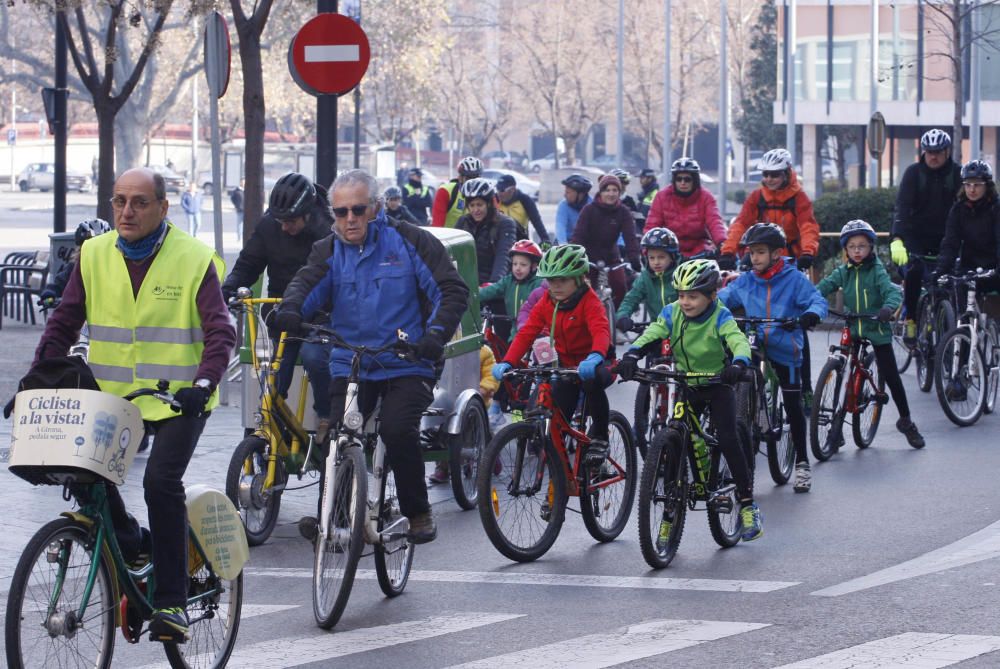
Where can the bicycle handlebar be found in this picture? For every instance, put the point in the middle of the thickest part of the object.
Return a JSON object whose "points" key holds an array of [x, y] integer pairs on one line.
{"points": [[319, 334], [853, 316], [160, 392], [531, 372], [745, 320], [663, 375], [968, 277]]}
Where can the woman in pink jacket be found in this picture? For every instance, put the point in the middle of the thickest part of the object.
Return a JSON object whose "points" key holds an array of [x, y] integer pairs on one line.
{"points": [[688, 210]]}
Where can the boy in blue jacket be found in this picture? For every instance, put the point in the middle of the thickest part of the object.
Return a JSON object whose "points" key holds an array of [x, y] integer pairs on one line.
{"points": [[776, 289]]}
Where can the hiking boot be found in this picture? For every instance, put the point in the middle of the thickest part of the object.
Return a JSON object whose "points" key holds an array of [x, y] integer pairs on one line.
{"points": [[750, 517], [440, 474], [910, 332], [597, 451], [908, 428], [422, 528], [956, 392], [803, 477], [169, 625]]}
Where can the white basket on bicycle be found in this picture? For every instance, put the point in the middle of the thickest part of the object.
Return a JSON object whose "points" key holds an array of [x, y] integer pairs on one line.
{"points": [[63, 435]]}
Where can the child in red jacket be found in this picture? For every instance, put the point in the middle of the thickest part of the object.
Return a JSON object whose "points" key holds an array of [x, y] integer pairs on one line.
{"points": [[572, 314]]}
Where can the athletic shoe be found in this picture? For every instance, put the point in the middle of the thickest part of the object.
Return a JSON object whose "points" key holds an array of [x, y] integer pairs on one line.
{"points": [[913, 436], [422, 528], [803, 477], [597, 451], [910, 333], [440, 474], [169, 625], [309, 528], [956, 391], [751, 518]]}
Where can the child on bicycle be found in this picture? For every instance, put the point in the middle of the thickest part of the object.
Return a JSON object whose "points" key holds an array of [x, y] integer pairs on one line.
{"points": [[654, 285], [574, 317], [705, 339], [515, 287], [776, 289], [868, 290]]}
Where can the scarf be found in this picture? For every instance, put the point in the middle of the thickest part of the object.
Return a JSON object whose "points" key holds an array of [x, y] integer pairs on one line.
{"points": [[141, 249]]}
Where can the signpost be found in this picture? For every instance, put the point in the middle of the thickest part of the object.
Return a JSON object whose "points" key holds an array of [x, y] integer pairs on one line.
{"points": [[876, 143], [217, 60]]}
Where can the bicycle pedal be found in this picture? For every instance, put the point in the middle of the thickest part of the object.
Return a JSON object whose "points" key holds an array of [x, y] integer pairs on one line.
{"points": [[721, 500], [546, 512], [882, 398]]}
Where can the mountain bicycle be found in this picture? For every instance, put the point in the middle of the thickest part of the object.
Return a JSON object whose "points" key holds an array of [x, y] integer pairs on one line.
{"points": [[760, 404], [72, 585], [653, 404], [935, 316], [863, 396], [900, 350], [602, 286], [530, 468], [684, 467], [968, 371]]}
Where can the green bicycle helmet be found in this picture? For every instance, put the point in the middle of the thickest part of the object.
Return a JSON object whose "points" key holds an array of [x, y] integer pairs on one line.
{"points": [[702, 275], [565, 260]]}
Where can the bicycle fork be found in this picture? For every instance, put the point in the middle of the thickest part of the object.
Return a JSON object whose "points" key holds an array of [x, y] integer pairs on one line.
{"points": [[400, 526]]}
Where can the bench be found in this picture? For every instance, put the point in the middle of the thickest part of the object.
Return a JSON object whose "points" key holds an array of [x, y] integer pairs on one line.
{"points": [[23, 275]]}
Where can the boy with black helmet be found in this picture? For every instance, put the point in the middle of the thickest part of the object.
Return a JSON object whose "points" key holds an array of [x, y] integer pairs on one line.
{"points": [[395, 210], [705, 339], [576, 195], [654, 285], [776, 289]]}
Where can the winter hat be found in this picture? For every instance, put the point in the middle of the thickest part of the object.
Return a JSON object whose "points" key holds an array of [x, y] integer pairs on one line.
{"points": [[609, 180]]}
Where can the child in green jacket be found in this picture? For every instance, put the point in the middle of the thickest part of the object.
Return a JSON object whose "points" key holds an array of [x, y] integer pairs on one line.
{"points": [[514, 288], [868, 290], [653, 287]]}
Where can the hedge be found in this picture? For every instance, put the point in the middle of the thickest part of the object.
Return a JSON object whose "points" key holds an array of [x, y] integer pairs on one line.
{"points": [[832, 210]]}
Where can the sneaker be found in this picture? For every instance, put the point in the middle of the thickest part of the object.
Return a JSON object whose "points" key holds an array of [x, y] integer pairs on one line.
{"points": [[956, 392], [913, 436], [597, 451], [440, 474], [751, 518], [910, 333], [422, 528], [170, 625], [309, 528], [803, 477]]}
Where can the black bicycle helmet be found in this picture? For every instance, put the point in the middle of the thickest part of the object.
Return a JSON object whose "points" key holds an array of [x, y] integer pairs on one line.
{"points": [[660, 238], [764, 233], [392, 192], [90, 228], [293, 196], [578, 182], [977, 169], [857, 227], [935, 140]]}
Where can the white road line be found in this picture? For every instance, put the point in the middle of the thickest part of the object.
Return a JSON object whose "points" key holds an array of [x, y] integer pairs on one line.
{"points": [[566, 580], [319, 646], [253, 610], [982, 545], [912, 650], [332, 53], [626, 644]]}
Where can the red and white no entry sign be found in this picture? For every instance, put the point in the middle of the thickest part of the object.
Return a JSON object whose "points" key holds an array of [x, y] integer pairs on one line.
{"points": [[329, 55]]}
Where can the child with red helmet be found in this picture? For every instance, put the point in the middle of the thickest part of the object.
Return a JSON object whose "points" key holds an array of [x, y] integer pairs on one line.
{"points": [[515, 287]]}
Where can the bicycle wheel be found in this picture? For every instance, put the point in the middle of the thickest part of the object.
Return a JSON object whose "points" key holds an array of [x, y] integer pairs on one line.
{"points": [[991, 354], [902, 352], [780, 450], [52, 575], [214, 622], [865, 421], [337, 556], [960, 378], [394, 558], [826, 420], [609, 489], [643, 416], [465, 450], [726, 526], [522, 484], [663, 496], [940, 320], [245, 488]]}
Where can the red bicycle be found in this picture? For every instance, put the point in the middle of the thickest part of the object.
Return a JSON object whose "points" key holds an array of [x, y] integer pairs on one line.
{"points": [[863, 396], [530, 469], [512, 395]]}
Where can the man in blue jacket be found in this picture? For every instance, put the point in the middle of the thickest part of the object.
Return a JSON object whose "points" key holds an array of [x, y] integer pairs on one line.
{"points": [[576, 197], [377, 277]]}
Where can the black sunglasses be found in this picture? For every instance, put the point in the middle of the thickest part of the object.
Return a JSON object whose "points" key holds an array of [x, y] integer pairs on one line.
{"points": [[772, 175], [684, 180], [357, 210]]}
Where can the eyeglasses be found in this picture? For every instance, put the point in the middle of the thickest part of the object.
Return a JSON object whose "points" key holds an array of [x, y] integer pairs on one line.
{"points": [[858, 247], [137, 203], [684, 180], [973, 184], [772, 175], [357, 210]]}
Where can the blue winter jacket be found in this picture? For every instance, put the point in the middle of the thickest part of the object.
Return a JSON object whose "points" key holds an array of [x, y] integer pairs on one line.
{"points": [[566, 217], [401, 278], [788, 294]]}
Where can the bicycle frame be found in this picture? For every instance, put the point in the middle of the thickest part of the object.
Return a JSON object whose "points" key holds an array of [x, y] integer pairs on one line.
{"points": [[972, 319], [850, 351]]}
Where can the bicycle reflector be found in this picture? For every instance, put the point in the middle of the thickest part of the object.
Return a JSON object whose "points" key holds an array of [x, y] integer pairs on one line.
{"points": [[845, 335], [353, 420], [665, 349]]}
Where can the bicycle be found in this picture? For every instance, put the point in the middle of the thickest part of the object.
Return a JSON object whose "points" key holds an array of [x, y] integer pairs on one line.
{"points": [[72, 585], [935, 316], [685, 467], [603, 288], [863, 395], [353, 510], [968, 357], [530, 469], [760, 404], [653, 404]]}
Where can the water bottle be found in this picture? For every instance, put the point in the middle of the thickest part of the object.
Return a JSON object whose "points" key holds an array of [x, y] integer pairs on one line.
{"points": [[702, 456]]}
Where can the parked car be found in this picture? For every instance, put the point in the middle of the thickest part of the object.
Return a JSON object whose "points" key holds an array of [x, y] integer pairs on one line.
{"points": [[176, 183], [546, 163], [524, 184], [43, 177], [504, 160]]}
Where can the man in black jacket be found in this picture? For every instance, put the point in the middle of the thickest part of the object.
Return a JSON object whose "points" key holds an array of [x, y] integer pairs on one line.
{"points": [[926, 192], [518, 205], [417, 197], [298, 216]]}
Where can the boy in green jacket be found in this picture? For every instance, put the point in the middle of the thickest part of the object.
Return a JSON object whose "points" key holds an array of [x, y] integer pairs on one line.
{"points": [[868, 290], [653, 287], [514, 288]]}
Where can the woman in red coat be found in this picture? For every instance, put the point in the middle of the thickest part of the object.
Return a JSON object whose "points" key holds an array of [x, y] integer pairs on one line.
{"points": [[688, 210]]}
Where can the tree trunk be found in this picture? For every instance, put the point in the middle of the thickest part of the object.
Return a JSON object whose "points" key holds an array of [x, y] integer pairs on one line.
{"points": [[959, 89], [253, 127], [106, 159], [129, 137]]}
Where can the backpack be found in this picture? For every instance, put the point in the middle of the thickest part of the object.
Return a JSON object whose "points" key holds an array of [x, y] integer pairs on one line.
{"points": [[923, 194], [68, 371], [763, 205]]}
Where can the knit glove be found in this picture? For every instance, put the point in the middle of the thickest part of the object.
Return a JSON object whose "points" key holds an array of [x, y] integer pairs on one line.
{"points": [[897, 251], [499, 369], [191, 401], [588, 368]]}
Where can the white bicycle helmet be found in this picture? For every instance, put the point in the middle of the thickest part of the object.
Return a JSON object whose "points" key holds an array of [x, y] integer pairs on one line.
{"points": [[478, 188], [775, 160], [935, 140], [470, 166], [685, 164]]}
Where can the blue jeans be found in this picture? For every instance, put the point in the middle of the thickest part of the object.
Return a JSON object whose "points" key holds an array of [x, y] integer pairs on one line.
{"points": [[194, 222], [316, 360]]}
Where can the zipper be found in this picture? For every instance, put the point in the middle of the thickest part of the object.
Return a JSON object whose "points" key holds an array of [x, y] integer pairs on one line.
{"points": [[857, 297]]}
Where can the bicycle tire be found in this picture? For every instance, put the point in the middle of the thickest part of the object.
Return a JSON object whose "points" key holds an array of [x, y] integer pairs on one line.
{"points": [[345, 538], [200, 652], [971, 376], [663, 496], [942, 321], [901, 352], [924, 349], [642, 418], [30, 595], [465, 451], [727, 528], [546, 504], [393, 561], [780, 451], [826, 418], [864, 423], [991, 354], [258, 508], [615, 500]]}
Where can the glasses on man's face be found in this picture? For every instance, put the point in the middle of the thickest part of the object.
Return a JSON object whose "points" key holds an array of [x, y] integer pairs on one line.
{"points": [[357, 210], [118, 203], [973, 184], [684, 180], [772, 175]]}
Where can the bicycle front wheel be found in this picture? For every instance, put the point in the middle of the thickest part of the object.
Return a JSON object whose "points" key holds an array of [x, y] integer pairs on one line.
{"points": [[522, 492], [43, 627], [663, 495], [991, 354], [870, 401], [394, 555], [214, 622], [960, 378], [608, 489], [780, 450], [258, 506], [337, 554], [465, 450], [826, 420], [902, 353]]}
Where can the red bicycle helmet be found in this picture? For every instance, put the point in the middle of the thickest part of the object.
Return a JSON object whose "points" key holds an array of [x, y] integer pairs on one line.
{"points": [[526, 247]]}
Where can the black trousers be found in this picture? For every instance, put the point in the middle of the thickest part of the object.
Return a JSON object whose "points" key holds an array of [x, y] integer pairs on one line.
{"points": [[913, 279], [885, 360], [404, 400], [721, 401], [567, 392], [789, 378]]}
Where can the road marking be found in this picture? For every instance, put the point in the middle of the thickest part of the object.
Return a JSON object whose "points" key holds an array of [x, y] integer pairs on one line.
{"points": [[566, 580], [253, 610], [332, 53], [982, 545], [626, 644], [319, 646], [912, 650]]}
